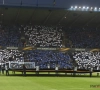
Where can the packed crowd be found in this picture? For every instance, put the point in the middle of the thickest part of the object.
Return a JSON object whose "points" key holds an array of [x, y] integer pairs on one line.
{"points": [[10, 36], [83, 37], [11, 55], [44, 36], [38, 36], [49, 58], [87, 59], [41, 58]]}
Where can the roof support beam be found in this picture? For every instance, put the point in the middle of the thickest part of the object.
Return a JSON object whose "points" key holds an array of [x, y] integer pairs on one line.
{"points": [[89, 21], [98, 26], [47, 17], [17, 15], [1, 15], [63, 17], [75, 20], [30, 19], [98, 23], [18, 12]]}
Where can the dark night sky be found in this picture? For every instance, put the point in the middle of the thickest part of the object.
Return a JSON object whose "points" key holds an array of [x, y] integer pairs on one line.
{"points": [[49, 3]]}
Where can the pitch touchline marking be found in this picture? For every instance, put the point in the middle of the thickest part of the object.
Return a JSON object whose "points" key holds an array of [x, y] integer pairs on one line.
{"points": [[68, 88], [75, 88]]}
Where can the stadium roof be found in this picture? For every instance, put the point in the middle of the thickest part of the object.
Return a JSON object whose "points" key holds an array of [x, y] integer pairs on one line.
{"points": [[50, 3], [49, 12], [49, 16]]}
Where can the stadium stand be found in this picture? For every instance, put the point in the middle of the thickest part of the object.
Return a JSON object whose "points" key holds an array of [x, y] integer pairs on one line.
{"points": [[44, 35]]}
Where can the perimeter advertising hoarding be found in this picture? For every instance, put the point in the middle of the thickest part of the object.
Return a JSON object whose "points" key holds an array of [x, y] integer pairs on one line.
{"points": [[54, 49]]}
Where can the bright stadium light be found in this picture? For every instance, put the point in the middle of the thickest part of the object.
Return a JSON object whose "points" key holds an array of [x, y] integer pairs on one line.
{"points": [[91, 8], [87, 8], [71, 7], [95, 9], [99, 9], [83, 7], [75, 7]]}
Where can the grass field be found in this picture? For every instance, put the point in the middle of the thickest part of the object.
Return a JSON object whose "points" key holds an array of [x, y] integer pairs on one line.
{"points": [[48, 83]]}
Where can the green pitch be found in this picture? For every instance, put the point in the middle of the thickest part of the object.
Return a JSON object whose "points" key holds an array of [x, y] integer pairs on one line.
{"points": [[48, 83]]}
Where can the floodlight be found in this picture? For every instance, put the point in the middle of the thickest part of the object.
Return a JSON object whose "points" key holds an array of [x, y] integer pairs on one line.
{"points": [[71, 7], [87, 8], [91, 7], [95, 7], [99, 9], [75, 7], [83, 7]]}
